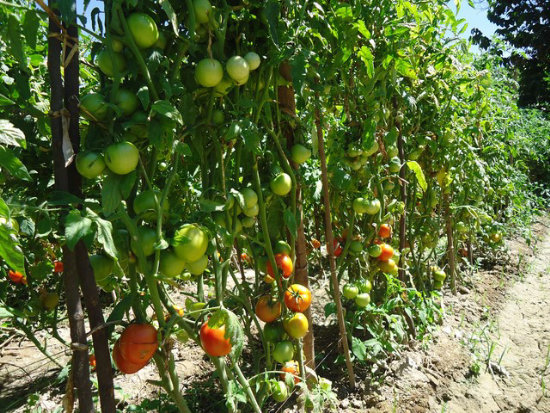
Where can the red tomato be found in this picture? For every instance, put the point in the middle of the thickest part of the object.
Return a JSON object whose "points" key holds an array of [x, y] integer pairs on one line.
{"points": [[214, 342], [387, 252], [122, 364], [284, 263], [297, 298], [17, 277], [291, 367], [58, 266], [337, 247], [138, 343], [268, 309], [384, 231]]}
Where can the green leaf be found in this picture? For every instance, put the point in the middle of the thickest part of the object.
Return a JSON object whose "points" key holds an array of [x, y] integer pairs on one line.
{"points": [[31, 23], [164, 108], [167, 7], [76, 228], [15, 41], [9, 134], [330, 308], [5, 101], [358, 348], [368, 59], [208, 205], [115, 189], [270, 17], [63, 198], [404, 68], [290, 222], [415, 167], [119, 311], [104, 234], [10, 249], [143, 96], [4, 210], [13, 165], [298, 71]]}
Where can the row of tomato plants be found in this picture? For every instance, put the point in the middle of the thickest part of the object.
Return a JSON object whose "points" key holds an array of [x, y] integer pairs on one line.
{"points": [[199, 125]]}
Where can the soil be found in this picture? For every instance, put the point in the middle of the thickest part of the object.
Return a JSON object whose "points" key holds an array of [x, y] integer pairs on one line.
{"points": [[491, 354]]}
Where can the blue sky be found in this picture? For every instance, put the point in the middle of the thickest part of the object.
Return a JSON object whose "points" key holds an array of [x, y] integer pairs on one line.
{"points": [[476, 18]]}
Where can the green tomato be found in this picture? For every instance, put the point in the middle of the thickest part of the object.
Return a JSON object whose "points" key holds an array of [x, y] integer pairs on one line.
{"points": [[283, 352], [362, 300], [237, 69], [223, 87], [203, 8], [94, 107], [439, 275], [250, 197], [253, 60], [372, 150], [102, 266], [170, 264], [372, 207], [282, 247], [197, 267], [190, 243], [144, 30], [350, 291], [117, 45], [365, 286], [279, 391], [147, 237], [395, 165], [182, 336], [127, 101], [122, 157], [392, 151], [299, 153], [218, 117], [360, 205], [90, 164], [144, 205], [273, 332], [374, 250], [162, 41], [248, 222], [108, 62], [209, 72], [356, 247], [252, 212], [281, 184]]}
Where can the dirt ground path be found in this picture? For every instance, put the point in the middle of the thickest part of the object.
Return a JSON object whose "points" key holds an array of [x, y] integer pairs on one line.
{"points": [[492, 353], [522, 338]]}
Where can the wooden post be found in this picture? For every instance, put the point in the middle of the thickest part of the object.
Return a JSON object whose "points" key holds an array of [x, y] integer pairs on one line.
{"points": [[79, 346], [330, 246]]}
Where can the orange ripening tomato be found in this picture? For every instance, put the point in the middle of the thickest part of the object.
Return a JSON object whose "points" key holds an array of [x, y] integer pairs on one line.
{"points": [[92, 361], [245, 257], [284, 263], [17, 277], [387, 252], [384, 231], [315, 243], [291, 367], [268, 309], [138, 343], [58, 266], [213, 340], [297, 298], [124, 365]]}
